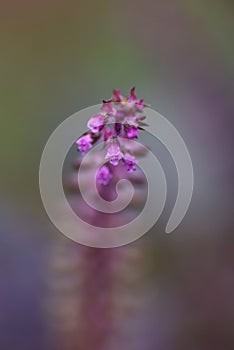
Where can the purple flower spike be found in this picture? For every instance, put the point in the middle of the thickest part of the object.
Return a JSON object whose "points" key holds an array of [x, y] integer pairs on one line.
{"points": [[130, 162], [115, 125], [84, 143], [131, 131], [104, 175], [114, 153], [96, 123]]}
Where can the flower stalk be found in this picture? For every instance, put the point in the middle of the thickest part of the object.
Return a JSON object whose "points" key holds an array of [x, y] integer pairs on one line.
{"points": [[90, 286]]}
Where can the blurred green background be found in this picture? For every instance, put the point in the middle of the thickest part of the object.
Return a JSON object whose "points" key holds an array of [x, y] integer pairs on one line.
{"points": [[58, 57]]}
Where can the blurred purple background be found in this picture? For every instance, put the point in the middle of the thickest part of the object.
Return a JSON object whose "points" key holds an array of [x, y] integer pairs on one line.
{"points": [[58, 57]]}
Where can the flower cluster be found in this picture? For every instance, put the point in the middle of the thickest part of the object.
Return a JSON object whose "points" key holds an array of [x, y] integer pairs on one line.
{"points": [[119, 120]]}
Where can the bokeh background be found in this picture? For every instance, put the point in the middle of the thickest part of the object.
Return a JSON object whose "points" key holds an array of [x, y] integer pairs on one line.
{"points": [[58, 57]]}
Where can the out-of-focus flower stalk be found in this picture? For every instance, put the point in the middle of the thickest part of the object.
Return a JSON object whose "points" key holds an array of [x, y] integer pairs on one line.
{"points": [[92, 290]]}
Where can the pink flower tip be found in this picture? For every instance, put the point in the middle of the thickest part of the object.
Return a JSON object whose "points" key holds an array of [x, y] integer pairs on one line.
{"points": [[117, 97], [138, 102], [132, 94]]}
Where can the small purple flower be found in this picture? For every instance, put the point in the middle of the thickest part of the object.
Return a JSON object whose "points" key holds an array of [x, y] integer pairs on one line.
{"points": [[104, 175], [131, 131], [130, 162], [96, 123], [84, 143], [108, 108], [114, 153]]}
